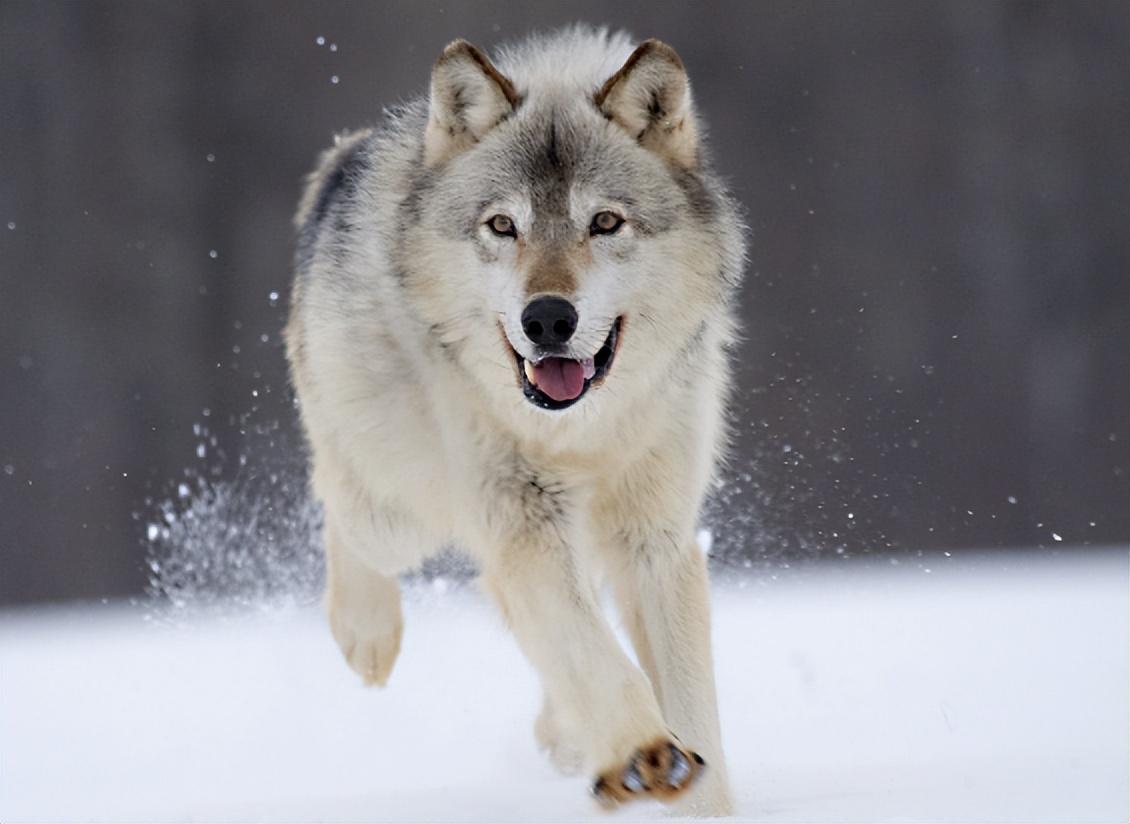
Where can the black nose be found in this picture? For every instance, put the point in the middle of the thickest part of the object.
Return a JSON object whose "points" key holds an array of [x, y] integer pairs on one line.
{"points": [[548, 321]]}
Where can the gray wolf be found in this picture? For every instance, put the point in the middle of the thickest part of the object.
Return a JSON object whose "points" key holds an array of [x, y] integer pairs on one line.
{"points": [[509, 332]]}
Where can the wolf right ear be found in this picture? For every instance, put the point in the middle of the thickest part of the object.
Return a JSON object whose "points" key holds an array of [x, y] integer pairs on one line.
{"points": [[469, 96], [650, 98]]}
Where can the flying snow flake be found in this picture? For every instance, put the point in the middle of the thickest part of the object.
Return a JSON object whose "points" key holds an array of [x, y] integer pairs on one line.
{"points": [[12, 225], [182, 491], [333, 47], [1012, 499], [201, 450], [1056, 537], [321, 41], [9, 469], [705, 540], [211, 158], [212, 253], [152, 531], [335, 79]]}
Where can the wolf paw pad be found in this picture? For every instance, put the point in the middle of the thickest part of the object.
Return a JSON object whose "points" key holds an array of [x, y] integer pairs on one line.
{"points": [[662, 770]]}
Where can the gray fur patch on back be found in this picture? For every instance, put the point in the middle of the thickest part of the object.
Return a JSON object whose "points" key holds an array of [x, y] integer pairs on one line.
{"points": [[337, 188]]}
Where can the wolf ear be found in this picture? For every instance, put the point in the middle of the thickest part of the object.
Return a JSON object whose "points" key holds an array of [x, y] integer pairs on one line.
{"points": [[650, 98], [468, 98]]}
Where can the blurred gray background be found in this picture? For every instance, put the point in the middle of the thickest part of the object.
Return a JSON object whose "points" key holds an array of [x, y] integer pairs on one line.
{"points": [[937, 305]]}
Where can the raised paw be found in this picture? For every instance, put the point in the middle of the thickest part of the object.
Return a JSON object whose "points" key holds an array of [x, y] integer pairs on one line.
{"points": [[551, 739], [662, 770], [368, 633], [370, 653]]}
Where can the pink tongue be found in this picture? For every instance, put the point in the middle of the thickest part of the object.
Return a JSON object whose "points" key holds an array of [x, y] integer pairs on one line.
{"points": [[562, 379]]}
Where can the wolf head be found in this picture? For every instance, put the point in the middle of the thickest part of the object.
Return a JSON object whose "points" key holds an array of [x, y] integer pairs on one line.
{"points": [[571, 247]]}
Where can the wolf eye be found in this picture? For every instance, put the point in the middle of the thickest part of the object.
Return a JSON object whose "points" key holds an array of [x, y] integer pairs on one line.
{"points": [[605, 223], [502, 226]]}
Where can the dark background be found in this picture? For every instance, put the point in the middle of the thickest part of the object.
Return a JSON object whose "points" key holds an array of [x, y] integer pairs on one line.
{"points": [[937, 305]]}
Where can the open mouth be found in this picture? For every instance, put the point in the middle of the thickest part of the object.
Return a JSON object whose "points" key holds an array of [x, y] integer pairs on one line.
{"points": [[558, 383]]}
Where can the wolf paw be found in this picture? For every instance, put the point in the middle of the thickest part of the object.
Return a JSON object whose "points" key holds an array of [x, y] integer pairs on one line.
{"points": [[662, 770], [370, 647], [564, 756]]}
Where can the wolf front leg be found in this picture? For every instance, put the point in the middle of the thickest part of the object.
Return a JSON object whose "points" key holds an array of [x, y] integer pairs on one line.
{"points": [[363, 606], [645, 524], [598, 696], [369, 541], [663, 594]]}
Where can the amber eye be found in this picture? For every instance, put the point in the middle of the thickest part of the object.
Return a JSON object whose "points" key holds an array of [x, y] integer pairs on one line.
{"points": [[502, 226], [605, 223]]}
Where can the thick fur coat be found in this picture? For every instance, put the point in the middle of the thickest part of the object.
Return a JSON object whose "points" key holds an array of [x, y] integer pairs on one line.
{"points": [[561, 451]]}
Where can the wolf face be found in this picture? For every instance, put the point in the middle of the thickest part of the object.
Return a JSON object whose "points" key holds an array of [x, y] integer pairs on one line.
{"points": [[567, 242]]}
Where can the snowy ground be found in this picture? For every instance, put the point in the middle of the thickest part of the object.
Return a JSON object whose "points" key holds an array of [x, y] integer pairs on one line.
{"points": [[993, 688]]}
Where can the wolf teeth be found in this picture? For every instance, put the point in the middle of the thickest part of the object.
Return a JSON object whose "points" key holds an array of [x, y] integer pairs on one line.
{"points": [[529, 367]]}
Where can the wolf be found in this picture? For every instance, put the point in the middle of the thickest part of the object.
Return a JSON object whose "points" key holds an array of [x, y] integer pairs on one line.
{"points": [[509, 332]]}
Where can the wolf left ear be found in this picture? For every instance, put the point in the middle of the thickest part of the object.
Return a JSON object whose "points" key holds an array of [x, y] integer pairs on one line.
{"points": [[469, 96], [650, 98]]}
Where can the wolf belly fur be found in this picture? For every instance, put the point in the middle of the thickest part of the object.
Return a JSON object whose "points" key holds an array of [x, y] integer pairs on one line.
{"points": [[509, 332]]}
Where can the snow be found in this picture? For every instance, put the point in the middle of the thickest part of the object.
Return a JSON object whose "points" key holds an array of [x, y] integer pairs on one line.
{"points": [[994, 689]]}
